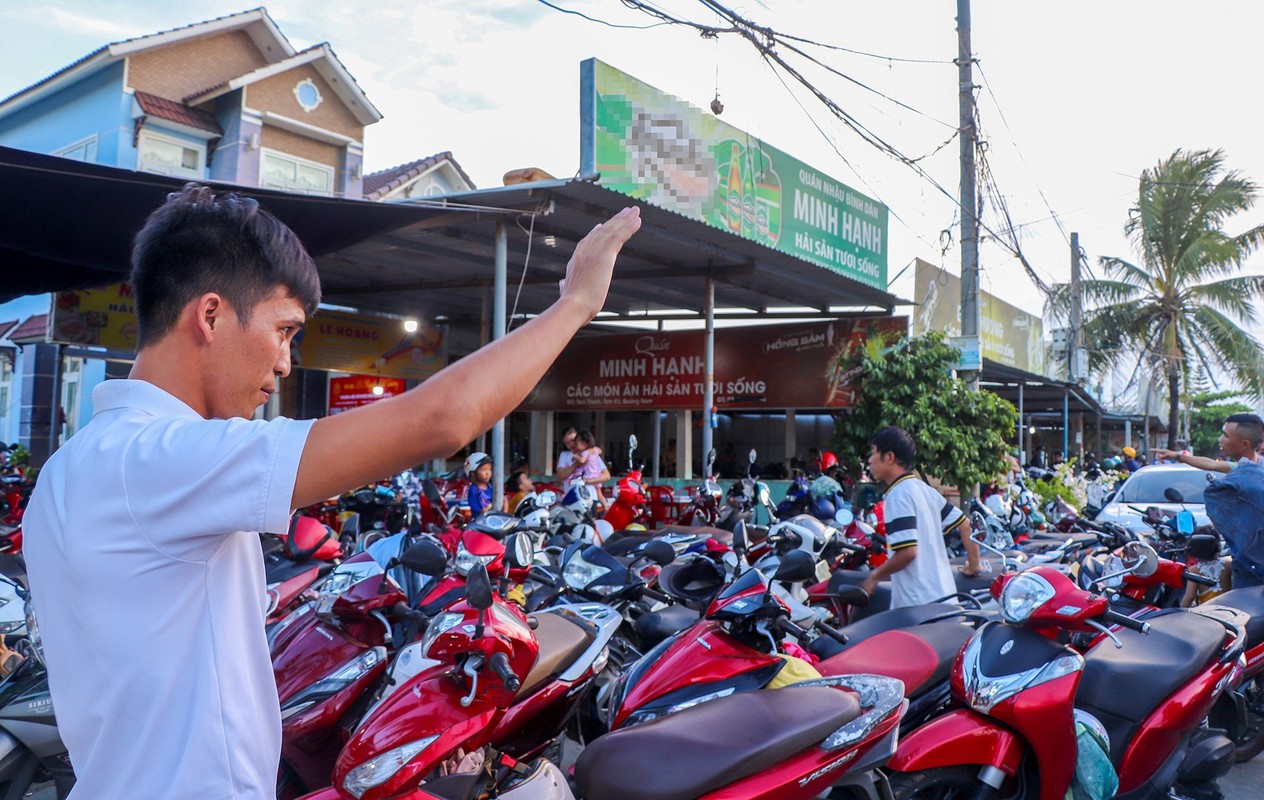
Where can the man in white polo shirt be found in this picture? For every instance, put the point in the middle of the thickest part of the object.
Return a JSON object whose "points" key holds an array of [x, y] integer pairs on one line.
{"points": [[143, 561], [917, 518]]}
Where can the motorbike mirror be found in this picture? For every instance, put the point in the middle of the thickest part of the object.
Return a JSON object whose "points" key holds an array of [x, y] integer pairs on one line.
{"points": [[750, 457], [853, 596], [658, 551], [631, 444], [843, 517], [710, 459], [765, 496], [546, 498], [426, 558], [519, 551], [478, 588], [796, 566], [1140, 558], [1173, 495], [739, 536]]}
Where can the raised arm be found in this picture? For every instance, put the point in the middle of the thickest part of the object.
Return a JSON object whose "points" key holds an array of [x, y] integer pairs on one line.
{"points": [[442, 414]]}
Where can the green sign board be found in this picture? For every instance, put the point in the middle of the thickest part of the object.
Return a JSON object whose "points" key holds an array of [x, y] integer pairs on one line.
{"points": [[662, 150]]}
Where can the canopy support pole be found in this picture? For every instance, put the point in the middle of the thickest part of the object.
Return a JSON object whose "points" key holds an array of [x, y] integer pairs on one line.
{"points": [[498, 332], [708, 380]]}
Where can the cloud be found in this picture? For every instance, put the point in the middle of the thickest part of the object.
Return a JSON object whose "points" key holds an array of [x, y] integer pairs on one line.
{"points": [[80, 24], [459, 98]]}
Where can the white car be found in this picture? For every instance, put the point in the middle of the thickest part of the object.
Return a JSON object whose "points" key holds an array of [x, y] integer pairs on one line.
{"points": [[1147, 487]]}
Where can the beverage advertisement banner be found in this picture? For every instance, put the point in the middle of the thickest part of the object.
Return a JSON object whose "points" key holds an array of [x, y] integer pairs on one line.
{"points": [[1008, 335], [662, 150], [339, 341], [335, 341], [357, 390], [97, 317], [759, 367]]}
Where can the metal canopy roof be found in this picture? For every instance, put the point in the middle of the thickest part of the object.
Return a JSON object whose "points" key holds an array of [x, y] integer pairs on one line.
{"points": [[443, 266]]}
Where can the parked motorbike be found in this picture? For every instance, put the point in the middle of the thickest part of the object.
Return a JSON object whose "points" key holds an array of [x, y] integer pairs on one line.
{"points": [[1036, 714]]}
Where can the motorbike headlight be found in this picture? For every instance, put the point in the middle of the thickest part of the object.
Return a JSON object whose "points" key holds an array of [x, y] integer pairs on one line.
{"points": [[578, 573], [466, 561], [330, 685], [338, 583], [380, 769], [1023, 595], [444, 622]]}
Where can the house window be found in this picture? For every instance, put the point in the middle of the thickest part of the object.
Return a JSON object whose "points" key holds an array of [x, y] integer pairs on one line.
{"points": [[71, 373], [83, 150], [171, 156], [307, 94], [6, 391], [295, 175]]}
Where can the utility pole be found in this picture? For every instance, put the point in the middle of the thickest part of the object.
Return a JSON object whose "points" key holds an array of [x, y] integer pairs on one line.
{"points": [[1075, 337], [969, 208]]}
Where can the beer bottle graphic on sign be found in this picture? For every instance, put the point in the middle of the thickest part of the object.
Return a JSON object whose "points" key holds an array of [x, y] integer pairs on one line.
{"points": [[748, 197], [734, 186]]}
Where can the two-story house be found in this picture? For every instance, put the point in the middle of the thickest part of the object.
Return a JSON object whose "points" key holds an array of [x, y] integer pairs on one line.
{"points": [[227, 99]]}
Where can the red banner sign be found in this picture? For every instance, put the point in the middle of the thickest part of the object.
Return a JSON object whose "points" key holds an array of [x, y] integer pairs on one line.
{"points": [[773, 366], [358, 390]]}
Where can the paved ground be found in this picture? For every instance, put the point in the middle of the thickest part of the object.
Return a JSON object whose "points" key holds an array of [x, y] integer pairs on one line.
{"points": [[1244, 781]]}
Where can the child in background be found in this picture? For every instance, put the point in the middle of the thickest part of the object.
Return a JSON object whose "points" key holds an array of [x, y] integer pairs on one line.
{"points": [[1204, 559], [592, 470], [478, 467], [517, 487]]}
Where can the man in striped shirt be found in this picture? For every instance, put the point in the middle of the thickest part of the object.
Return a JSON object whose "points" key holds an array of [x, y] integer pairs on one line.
{"points": [[917, 518]]}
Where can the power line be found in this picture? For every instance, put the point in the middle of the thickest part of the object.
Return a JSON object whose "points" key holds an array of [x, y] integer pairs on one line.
{"points": [[607, 23]]}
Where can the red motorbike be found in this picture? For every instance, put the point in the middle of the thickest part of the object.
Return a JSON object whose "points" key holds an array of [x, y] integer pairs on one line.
{"points": [[493, 676], [1034, 708], [630, 505], [295, 561]]}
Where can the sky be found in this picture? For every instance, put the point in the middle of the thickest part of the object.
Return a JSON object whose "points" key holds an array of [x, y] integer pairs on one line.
{"points": [[1076, 98]]}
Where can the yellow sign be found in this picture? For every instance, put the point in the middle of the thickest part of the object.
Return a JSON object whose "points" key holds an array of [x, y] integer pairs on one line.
{"points": [[1007, 334], [338, 341], [98, 317], [334, 341]]}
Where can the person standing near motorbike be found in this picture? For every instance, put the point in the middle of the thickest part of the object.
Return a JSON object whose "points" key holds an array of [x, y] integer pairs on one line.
{"points": [[150, 509], [478, 468], [1240, 438], [591, 468], [917, 518]]}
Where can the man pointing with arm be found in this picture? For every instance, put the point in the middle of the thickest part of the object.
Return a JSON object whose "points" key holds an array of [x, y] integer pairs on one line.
{"points": [[140, 532]]}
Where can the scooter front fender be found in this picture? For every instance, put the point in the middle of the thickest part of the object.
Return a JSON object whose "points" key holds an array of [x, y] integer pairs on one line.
{"points": [[959, 737]]}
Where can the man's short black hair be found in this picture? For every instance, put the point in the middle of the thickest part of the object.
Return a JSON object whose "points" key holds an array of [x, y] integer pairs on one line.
{"points": [[1248, 426], [898, 443], [199, 242]]}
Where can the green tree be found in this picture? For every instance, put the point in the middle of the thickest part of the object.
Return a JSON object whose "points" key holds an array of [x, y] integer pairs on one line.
{"points": [[960, 435], [1207, 415], [1183, 306]]}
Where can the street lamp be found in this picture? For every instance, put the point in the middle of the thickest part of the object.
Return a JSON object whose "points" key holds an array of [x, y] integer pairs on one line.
{"points": [[410, 326]]}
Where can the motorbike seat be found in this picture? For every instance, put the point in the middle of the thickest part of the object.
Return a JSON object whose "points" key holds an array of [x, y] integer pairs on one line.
{"points": [[678, 757], [704, 531], [921, 656], [561, 642], [280, 569], [1251, 600], [889, 620], [1122, 686], [620, 543], [656, 626]]}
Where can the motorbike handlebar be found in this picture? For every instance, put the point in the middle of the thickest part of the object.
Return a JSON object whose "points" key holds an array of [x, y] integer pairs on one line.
{"points": [[786, 626], [499, 664], [655, 595], [1125, 621], [401, 609], [832, 632], [1194, 577]]}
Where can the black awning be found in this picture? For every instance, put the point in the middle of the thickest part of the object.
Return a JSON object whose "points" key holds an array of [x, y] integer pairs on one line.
{"points": [[69, 225]]}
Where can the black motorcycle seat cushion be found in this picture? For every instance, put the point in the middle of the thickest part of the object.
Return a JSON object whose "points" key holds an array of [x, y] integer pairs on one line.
{"points": [[880, 600], [561, 642], [1250, 600], [719, 534], [656, 626], [687, 754], [624, 544], [1131, 681], [889, 620]]}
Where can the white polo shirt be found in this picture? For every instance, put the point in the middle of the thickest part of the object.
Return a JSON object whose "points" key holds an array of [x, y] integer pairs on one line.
{"points": [[149, 589], [916, 514]]}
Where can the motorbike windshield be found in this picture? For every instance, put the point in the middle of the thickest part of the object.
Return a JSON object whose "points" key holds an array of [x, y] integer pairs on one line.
{"points": [[749, 580]]}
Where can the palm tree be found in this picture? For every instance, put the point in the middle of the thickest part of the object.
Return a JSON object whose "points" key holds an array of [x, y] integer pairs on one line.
{"points": [[1182, 308]]}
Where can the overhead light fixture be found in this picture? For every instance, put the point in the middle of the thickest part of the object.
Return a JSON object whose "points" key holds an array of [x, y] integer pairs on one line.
{"points": [[378, 390], [550, 241], [1031, 429], [410, 326]]}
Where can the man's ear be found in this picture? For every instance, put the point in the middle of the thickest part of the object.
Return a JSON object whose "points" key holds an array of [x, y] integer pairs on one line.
{"points": [[208, 311]]}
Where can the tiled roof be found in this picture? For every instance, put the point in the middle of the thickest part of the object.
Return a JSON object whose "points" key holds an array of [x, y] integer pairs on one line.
{"points": [[380, 184], [33, 329], [7, 326], [132, 41], [177, 112]]}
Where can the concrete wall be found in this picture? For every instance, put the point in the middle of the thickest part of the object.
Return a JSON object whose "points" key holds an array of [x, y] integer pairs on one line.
{"points": [[93, 107]]}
